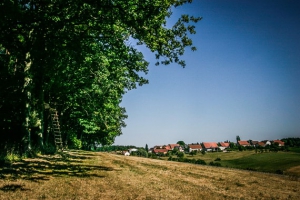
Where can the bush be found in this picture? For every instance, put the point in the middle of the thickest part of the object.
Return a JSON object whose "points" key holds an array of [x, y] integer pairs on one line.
{"points": [[200, 162], [174, 159], [142, 153], [180, 154], [153, 155], [215, 164], [49, 149], [218, 159], [279, 171]]}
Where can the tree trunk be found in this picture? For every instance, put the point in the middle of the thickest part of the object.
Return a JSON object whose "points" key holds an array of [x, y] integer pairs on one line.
{"points": [[27, 90]]}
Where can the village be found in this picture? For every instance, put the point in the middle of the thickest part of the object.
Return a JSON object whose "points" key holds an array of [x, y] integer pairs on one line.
{"points": [[208, 147]]}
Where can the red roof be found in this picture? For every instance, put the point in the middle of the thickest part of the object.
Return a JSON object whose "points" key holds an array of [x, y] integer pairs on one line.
{"points": [[209, 145], [172, 146], [195, 146], [243, 143], [224, 144], [279, 142], [167, 147], [261, 144]]}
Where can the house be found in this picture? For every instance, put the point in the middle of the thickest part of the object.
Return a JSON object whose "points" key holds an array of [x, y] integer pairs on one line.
{"points": [[223, 146], [243, 143], [159, 146], [150, 150], [260, 144], [267, 142], [126, 153], [254, 143], [175, 146], [158, 151], [280, 143], [132, 150], [210, 146], [194, 147]]}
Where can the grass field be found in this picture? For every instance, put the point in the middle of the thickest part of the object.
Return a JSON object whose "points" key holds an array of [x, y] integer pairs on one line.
{"points": [[265, 162], [88, 175]]}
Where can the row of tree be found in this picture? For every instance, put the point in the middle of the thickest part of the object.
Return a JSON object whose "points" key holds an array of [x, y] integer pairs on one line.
{"points": [[78, 57]]}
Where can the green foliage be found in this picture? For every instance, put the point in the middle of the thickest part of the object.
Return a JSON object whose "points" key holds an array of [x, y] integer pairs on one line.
{"points": [[181, 143], [291, 142], [77, 144], [241, 148], [192, 153], [79, 58], [293, 149], [154, 156], [115, 147], [49, 149], [266, 162], [238, 138], [142, 153], [180, 154], [200, 162], [218, 159], [217, 164]]}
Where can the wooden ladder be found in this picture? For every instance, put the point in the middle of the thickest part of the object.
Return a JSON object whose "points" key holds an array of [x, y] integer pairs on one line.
{"points": [[56, 130]]}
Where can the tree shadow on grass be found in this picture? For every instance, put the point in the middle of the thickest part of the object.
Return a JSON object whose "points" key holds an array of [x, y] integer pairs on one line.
{"points": [[13, 188], [42, 168]]}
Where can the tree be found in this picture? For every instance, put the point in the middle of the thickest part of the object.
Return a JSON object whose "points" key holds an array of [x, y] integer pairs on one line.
{"points": [[180, 154], [142, 153], [238, 139], [77, 57], [181, 143], [146, 148], [193, 153]]}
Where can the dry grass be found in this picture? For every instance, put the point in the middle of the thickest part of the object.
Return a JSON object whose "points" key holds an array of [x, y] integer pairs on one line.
{"points": [[86, 175]]}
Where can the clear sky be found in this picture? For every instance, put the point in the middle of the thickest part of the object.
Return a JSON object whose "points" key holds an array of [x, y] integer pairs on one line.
{"points": [[244, 78]]}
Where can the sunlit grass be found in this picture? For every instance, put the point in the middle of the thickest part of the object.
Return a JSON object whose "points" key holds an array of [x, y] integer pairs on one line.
{"points": [[87, 175]]}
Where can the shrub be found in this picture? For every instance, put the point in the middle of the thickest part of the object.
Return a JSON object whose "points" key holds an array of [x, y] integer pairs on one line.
{"points": [[180, 154], [215, 164], [218, 159], [279, 171], [142, 153], [153, 155], [174, 159], [49, 149], [200, 162]]}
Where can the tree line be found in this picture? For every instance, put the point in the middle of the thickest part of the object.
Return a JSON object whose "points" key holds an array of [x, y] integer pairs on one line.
{"points": [[79, 57]]}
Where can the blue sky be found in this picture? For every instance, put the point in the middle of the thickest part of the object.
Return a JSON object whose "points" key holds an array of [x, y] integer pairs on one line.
{"points": [[244, 78]]}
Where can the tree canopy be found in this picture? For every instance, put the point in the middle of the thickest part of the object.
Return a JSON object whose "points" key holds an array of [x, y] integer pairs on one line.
{"points": [[78, 57]]}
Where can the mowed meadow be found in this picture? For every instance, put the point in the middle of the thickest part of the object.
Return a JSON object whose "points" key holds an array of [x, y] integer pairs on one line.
{"points": [[96, 175]]}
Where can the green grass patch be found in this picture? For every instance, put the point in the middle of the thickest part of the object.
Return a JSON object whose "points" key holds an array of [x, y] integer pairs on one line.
{"points": [[249, 160], [295, 149], [265, 162]]}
